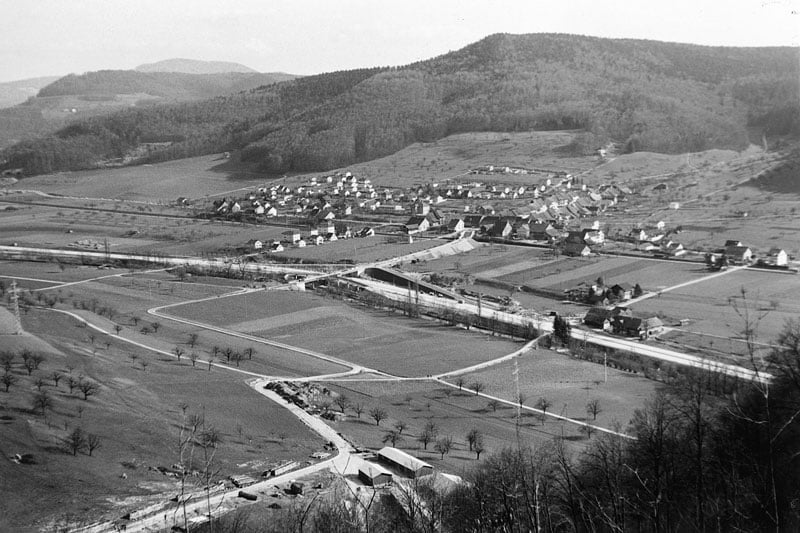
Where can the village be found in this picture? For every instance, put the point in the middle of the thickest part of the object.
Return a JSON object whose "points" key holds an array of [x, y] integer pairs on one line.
{"points": [[555, 210]]}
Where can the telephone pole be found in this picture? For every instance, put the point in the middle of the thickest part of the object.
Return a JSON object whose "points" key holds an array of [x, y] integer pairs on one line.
{"points": [[15, 301]]}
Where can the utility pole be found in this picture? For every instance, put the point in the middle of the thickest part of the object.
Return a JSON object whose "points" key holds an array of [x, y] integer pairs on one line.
{"points": [[15, 300], [519, 402]]}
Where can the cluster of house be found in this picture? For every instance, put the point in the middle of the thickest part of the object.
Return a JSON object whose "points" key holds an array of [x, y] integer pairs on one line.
{"points": [[555, 200], [598, 293], [326, 232], [736, 253], [621, 321]]}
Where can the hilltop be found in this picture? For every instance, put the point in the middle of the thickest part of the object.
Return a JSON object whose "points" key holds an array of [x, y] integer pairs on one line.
{"points": [[643, 95], [193, 66], [57, 101], [16, 92]]}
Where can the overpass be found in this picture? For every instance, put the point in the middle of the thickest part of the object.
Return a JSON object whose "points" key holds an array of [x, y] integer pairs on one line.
{"points": [[403, 280]]}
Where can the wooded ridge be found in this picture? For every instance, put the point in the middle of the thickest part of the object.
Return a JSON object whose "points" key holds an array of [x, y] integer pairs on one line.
{"points": [[647, 95]]}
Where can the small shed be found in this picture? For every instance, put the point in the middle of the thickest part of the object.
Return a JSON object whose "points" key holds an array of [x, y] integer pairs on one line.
{"points": [[407, 464], [373, 474]]}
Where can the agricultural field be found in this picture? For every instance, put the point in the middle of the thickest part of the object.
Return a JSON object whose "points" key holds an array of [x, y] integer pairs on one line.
{"points": [[567, 272], [568, 384], [452, 157], [772, 298], [376, 339], [136, 413], [361, 250], [454, 412], [163, 182]]}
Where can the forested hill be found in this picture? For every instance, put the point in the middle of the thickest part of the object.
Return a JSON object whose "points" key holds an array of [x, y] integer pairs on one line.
{"points": [[168, 85], [193, 66], [647, 95]]}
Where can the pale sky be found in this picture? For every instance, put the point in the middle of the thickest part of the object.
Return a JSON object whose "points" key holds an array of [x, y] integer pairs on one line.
{"points": [[57, 37]]}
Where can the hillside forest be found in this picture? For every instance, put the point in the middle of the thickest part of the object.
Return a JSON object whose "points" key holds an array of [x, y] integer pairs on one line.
{"points": [[645, 95]]}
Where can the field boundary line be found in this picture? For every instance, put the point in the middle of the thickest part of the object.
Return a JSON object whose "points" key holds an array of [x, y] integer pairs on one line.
{"points": [[539, 411], [486, 364]]}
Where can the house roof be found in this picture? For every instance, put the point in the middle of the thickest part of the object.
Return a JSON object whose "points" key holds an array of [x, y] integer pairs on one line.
{"points": [[736, 251], [373, 470], [402, 458]]}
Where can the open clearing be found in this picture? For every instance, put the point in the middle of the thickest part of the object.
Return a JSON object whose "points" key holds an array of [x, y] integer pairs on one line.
{"points": [[380, 340]]}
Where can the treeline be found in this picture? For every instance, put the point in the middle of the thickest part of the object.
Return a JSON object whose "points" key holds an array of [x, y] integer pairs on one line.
{"points": [[647, 95], [697, 462]]}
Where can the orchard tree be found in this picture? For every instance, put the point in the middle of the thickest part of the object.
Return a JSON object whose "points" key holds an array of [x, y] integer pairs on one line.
{"points": [[75, 441], [444, 445], [400, 426], [8, 379], [179, 352], [593, 408], [342, 401], [7, 361], [193, 339], [543, 404], [391, 436], [358, 408], [478, 386], [92, 443], [193, 358], [88, 388], [472, 437], [42, 402], [377, 414]]}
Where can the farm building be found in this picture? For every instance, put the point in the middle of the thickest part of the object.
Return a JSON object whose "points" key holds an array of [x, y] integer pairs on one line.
{"points": [[777, 257], [455, 224], [576, 250], [636, 327], [738, 254], [622, 291], [373, 474], [598, 317], [407, 464]]}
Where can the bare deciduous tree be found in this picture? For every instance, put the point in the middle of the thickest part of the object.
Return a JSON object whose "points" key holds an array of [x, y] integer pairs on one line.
{"points": [[593, 408], [444, 445], [377, 414], [92, 443], [8, 380], [75, 441]]}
